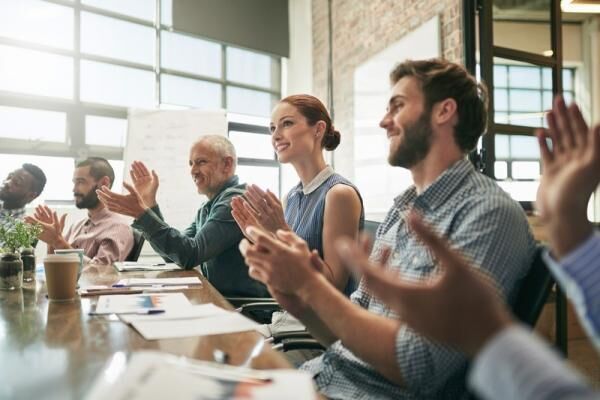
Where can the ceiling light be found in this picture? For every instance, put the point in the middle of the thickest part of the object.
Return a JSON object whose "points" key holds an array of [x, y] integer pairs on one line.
{"points": [[580, 6]]}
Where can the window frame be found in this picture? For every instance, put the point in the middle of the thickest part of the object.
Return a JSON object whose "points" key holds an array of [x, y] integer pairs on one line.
{"points": [[76, 110]]}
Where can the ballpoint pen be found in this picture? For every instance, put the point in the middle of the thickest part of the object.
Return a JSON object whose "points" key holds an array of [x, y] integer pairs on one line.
{"points": [[137, 312]]}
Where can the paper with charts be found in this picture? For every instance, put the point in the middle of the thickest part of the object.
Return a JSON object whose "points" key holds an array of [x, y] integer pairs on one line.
{"points": [[150, 375], [133, 303]]}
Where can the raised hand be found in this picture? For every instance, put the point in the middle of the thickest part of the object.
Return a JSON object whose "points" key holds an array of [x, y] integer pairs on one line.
{"points": [[130, 204], [242, 216], [284, 263], [570, 174], [265, 208], [459, 307], [43, 213], [52, 226], [145, 182]]}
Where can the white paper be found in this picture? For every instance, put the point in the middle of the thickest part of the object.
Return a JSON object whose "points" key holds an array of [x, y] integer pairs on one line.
{"points": [[192, 280], [191, 312], [152, 375], [127, 303], [219, 324], [146, 266]]}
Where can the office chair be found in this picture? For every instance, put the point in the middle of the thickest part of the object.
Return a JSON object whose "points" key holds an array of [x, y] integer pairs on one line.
{"points": [[371, 227], [138, 243], [534, 291]]}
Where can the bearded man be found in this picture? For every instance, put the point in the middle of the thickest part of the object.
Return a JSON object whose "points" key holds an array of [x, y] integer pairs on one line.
{"points": [[104, 236], [436, 113]]}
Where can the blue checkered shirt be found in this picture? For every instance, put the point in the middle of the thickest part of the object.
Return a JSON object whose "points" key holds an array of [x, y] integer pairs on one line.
{"points": [[481, 220]]}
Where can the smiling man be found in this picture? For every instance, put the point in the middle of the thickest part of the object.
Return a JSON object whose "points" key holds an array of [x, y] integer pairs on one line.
{"points": [[211, 241], [20, 188], [104, 236], [436, 113]]}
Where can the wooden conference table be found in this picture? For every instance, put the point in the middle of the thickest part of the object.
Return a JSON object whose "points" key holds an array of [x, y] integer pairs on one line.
{"points": [[56, 350]]}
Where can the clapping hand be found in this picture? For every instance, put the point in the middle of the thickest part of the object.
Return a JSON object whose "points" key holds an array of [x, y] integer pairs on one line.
{"points": [[459, 307], [570, 174], [130, 204], [145, 182], [258, 208], [52, 225]]}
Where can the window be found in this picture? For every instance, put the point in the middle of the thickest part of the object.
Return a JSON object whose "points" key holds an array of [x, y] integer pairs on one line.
{"points": [[522, 94], [70, 71], [24, 123]]}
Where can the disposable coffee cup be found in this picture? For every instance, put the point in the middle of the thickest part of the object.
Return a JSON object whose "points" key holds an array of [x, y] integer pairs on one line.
{"points": [[61, 276], [79, 253]]}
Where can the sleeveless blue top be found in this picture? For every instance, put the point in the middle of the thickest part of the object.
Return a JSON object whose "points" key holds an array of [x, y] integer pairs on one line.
{"points": [[305, 211]]}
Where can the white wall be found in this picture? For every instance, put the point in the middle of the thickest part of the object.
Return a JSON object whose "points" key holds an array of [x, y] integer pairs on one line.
{"points": [[297, 74], [299, 65], [377, 181]]}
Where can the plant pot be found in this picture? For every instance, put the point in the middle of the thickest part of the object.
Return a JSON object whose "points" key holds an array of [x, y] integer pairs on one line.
{"points": [[28, 258], [11, 271]]}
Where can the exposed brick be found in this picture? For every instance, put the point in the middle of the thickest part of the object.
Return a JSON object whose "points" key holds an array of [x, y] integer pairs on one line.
{"points": [[361, 29]]}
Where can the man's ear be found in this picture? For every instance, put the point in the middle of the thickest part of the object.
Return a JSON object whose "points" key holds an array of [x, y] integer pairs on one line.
{"points": [[444, 111], [104, 181], [227, 164]]}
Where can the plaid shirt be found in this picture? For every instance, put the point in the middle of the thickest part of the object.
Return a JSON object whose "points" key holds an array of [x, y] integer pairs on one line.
{"points": [[483, 222], [17, 213]]}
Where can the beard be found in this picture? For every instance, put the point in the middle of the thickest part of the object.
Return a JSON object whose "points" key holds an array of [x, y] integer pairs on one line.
{"points": [[89, 200], [415, 143]]}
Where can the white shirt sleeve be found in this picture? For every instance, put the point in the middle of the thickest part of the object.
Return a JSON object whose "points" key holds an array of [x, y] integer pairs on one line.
{"points": [[516, 364]]}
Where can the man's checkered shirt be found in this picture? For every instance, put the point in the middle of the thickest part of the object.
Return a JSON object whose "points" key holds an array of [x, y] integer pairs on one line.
{"points": [[478, 218]]}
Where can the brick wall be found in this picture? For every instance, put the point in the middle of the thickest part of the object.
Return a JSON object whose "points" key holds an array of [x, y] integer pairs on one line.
{"points": [[361, 29]]}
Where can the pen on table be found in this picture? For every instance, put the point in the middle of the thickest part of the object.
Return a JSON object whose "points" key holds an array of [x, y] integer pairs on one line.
{"points": [[144, 312], [137, 312], [157, 264], [99, 292]]}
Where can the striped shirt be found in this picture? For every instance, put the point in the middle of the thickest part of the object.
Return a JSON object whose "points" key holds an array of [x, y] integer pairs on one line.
{"points": [[517, 364], [478, 218], [304, 213], [105, 237], [305, 210]]}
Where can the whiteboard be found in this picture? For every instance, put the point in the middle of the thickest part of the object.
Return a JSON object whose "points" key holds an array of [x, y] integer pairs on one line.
{"points": [[162, 140]]}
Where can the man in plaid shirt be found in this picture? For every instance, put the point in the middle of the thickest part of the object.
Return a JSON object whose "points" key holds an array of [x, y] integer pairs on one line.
{"points": [[436, 113]]}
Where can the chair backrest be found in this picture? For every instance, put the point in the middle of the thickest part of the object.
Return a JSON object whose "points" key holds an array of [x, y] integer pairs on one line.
{"points": [[371, 227], [534, 290], [138, 243]]}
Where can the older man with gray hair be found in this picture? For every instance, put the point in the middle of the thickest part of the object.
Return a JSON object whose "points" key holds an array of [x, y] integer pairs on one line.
{"points": [[211, 241]]}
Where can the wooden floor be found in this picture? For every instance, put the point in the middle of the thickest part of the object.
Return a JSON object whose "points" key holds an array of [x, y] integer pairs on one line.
{"points": [[581, 353]]}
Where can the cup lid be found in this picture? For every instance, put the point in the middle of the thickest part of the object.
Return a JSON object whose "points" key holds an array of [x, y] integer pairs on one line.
{"points": [[68, 251], [62, 257]]}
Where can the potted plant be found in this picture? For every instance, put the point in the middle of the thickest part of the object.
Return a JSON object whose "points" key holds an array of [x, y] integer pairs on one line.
{"points": [[14, 236]]}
